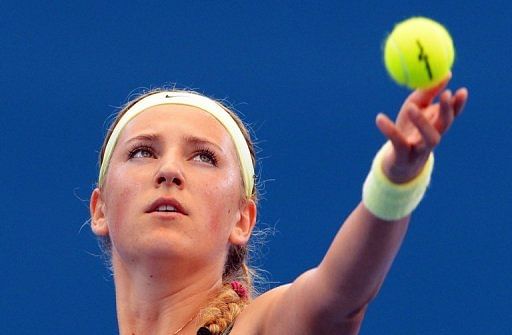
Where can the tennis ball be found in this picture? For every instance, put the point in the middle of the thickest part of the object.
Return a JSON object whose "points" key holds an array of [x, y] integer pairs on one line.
{"points": [[419, 53]]}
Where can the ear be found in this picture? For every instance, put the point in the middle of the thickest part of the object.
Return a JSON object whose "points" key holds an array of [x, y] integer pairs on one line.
{"points": [[97, 208], [243, 229]]}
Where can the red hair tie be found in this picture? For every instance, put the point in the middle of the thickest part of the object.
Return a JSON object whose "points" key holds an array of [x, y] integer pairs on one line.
{"points": [[239, 289]]}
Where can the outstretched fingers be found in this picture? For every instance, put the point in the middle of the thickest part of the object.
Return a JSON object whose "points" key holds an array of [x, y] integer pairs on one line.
{"points": [[450, 108], [424, 97], [446, 112], [420, 124], [391, 131], [459, 100], [429, 134]]}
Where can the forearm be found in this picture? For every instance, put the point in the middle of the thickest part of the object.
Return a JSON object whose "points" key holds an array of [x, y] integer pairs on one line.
{"points": [[332, 298], [360, 257]]}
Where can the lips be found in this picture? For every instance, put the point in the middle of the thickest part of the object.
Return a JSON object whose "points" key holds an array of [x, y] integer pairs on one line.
{"points": [[166, 205]]}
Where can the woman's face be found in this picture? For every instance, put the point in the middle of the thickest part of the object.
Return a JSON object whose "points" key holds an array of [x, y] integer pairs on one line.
{"points": [[173, 187]]}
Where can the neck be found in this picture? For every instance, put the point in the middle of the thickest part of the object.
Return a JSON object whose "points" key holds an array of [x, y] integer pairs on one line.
{"points": [[152, 301]]}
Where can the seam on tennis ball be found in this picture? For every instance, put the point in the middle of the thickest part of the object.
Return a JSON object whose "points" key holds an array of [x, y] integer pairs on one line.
{"points": [[403, 63]]}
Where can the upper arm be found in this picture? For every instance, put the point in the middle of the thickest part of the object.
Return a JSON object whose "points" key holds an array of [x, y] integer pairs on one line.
{"points": [[332, 298], [297, 309]]}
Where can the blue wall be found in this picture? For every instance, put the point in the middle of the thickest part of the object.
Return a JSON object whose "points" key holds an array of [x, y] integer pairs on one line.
{"points": [[309, 78]]}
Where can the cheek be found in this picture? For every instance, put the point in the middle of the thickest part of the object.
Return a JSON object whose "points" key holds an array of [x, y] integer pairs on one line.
{"points": [[121, 198], [223, 201]]}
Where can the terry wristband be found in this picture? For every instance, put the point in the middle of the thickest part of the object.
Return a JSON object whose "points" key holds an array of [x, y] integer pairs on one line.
{"points": [[390, 201]]}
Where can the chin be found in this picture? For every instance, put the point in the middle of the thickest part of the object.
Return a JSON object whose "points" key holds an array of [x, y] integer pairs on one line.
{"points": [[150, 249], [161, 247]]}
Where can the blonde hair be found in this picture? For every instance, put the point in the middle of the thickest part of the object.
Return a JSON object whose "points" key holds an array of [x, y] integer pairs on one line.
{"points": [[228, 303]]}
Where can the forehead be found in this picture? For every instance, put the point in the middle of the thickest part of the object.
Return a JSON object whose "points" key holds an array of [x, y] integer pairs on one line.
{"points": [[172, 119]]}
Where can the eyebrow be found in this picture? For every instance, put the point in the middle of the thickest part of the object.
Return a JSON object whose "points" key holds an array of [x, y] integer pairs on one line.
{"points": [[144, 137], [201, 141], [190, 139]]}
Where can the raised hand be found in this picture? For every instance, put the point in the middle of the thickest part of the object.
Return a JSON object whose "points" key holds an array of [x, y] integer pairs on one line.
{"points": [[418, 129]]}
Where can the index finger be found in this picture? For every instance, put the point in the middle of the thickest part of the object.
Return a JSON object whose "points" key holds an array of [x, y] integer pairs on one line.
{"points": [[424, 97]]}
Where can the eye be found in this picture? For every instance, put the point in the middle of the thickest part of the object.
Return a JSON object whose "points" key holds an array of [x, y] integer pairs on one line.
{"points": [[206, 156], [143, 151]]}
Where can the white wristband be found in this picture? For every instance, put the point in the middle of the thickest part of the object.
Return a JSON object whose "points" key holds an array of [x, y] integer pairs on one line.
{"points": [[390, 201]]}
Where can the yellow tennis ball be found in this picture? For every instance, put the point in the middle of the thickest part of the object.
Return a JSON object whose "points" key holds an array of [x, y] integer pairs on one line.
{"points": [[419, 53]]}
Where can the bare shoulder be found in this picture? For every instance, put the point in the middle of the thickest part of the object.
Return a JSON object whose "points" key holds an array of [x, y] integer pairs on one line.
{"points": [[298, 309], [252, 320], [282, 310]]}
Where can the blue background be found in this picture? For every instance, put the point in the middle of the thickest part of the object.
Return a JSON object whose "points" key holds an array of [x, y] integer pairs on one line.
{"points": [[309, 77]]}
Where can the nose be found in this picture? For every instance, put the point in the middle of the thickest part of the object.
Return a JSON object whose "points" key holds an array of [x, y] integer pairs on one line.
{"points": [[169, 174]]}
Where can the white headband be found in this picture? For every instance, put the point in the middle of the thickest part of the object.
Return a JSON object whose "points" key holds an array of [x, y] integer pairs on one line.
{"points": [[194, 100]]}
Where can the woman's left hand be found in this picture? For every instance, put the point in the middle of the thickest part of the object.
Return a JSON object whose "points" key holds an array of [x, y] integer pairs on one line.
{"points": [[418, 129]]}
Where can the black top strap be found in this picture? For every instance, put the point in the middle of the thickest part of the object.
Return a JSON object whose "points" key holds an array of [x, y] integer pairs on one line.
{"points": [[206, 331]]}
